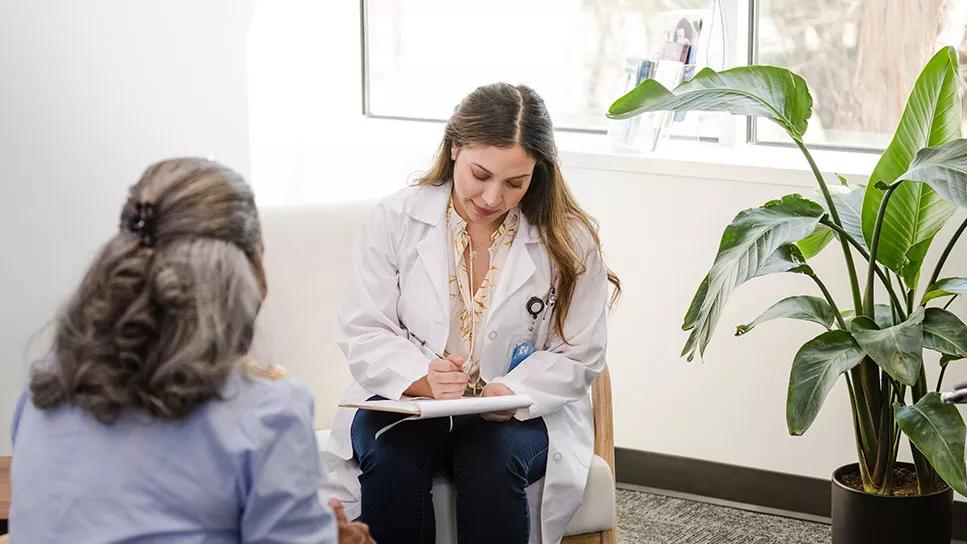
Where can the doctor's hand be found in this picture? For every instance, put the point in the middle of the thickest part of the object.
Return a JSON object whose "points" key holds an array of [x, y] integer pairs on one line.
{"points": [[497, 390], [349, 532], [446, 378]]}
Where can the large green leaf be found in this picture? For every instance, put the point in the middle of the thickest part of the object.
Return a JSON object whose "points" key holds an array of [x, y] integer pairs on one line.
{"points": [[937, 430], [944, 332], [804, 307], [945, 288], [849, 204], [898, 350], [811, 245], [882, 312], [815, 370], [944, 169], [915, 212], [762, 91], [750, 243], [788, 258]]}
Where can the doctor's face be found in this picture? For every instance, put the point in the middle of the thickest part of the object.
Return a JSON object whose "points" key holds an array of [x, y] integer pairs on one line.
{"points": [[489, 181]]}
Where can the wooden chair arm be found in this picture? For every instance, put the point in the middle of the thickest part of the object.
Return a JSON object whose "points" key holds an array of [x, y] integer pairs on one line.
{"points": [[5, 488], [603, 418], [603, 448]]}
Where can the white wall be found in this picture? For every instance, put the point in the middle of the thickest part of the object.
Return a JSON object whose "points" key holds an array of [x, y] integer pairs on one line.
{"points": [[660, 235], [89, 96]]}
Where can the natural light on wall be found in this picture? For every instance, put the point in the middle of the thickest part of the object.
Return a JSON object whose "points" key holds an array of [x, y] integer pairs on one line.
{"points": [[307, 139]]}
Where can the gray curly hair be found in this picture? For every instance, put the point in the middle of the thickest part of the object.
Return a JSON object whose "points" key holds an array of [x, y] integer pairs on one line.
{"points": [[159, 323]]}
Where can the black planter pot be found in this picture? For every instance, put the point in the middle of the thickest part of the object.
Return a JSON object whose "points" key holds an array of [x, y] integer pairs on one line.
{"points": [[860, 518]]}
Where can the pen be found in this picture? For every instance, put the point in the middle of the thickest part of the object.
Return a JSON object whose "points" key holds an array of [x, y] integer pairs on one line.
{"points": [[423, 343]]}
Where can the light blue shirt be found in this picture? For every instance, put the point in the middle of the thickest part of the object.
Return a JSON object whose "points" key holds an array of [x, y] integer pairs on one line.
{"points": [[242, 469]]}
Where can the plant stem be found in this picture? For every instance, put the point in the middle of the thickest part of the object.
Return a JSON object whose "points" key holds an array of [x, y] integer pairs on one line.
{"points": [[899, 390], [879, 400], [919, 388], [885, 278], [874, 246], [949, 302], [863, 418], [865, 409], [866, 401], [946, 252], [888, 488], [884, 437], [897, 309], [850, 266], [943, 370], [858, 434], [829, 299]]}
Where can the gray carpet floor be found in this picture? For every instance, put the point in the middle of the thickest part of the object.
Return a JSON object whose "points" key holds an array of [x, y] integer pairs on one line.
{"points": [[646, 518]]}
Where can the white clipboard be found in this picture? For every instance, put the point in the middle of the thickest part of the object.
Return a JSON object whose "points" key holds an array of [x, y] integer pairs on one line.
{"points": [[424, 408]]}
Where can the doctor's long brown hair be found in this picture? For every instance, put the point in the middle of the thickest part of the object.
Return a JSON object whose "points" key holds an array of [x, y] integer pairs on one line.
{"points": [[503, 115]]}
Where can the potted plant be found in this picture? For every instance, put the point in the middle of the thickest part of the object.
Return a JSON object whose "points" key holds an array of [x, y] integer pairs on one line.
{"points": [[875, 341]]}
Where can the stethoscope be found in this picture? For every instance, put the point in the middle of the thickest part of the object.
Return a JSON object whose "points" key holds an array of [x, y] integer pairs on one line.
{"points": [[535, 306]]}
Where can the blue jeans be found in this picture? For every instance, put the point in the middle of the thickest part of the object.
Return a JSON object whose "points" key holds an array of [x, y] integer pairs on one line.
{"points": [[490, 464]]}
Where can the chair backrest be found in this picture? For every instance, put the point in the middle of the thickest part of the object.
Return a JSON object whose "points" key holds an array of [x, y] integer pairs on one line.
{"points": [[603, 418], [307, 259]]}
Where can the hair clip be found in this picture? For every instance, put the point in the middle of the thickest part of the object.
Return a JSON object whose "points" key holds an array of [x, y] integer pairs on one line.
{"points": [[142, 223]]}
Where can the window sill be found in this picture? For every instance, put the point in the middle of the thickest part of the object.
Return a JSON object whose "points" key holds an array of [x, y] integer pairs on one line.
{"points": [[742, 163], [767, 164]]}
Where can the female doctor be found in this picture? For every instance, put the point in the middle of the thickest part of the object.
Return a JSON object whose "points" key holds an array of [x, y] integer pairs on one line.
{"points": [[489, 261]]}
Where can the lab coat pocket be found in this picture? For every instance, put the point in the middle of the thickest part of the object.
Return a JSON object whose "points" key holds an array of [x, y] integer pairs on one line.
{"points": [[521, 347]]}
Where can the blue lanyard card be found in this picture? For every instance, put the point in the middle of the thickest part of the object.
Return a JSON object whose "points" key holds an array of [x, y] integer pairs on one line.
{"points": [[521, 351]]}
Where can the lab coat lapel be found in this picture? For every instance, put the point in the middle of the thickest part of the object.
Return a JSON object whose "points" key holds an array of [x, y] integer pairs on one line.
{"points": [[432, 251], [430, 208]]}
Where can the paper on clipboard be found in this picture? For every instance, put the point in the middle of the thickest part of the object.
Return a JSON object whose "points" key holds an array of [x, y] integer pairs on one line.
{"points": [[422, 408]]}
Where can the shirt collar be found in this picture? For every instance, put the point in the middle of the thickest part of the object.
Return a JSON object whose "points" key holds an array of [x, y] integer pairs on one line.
{"points": [[458, 224]]}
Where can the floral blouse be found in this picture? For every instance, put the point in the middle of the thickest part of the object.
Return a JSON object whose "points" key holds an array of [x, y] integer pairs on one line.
{"points": [[468, 313]]}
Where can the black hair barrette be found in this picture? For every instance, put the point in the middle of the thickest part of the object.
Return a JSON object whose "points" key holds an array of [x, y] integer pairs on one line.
{"points": [[142, 223]]}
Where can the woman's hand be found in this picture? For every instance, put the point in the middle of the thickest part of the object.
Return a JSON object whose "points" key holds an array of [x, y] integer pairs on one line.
{"points": [[349, 532], [446, 378], [497, 390]]}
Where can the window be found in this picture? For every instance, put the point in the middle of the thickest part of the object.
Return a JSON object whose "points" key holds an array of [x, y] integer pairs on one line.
{"points": [[860, 57], [423, 56]]}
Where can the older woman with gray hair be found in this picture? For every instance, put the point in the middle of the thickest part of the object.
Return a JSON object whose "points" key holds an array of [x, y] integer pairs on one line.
{"points": [[148, 421]]}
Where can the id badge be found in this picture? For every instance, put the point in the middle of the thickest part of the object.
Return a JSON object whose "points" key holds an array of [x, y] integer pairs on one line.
{"points": [[523, 348]]}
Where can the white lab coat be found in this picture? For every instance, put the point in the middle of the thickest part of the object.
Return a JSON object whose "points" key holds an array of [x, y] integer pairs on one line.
{"points": [[399, 277]]}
